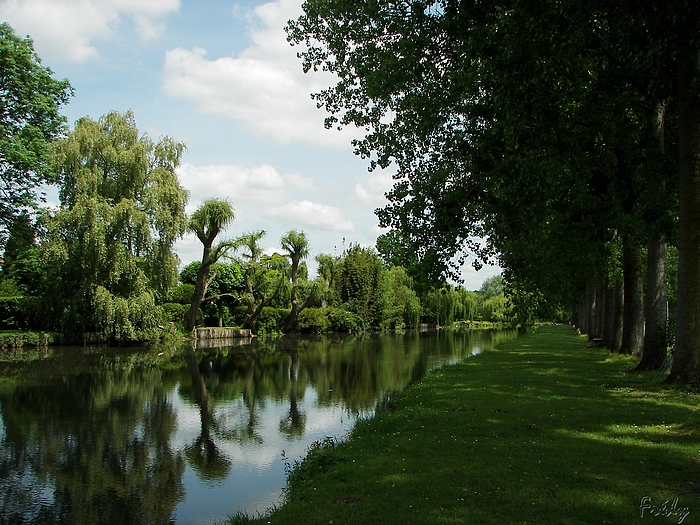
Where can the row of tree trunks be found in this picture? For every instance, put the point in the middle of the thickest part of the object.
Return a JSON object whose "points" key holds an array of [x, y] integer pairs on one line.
{"points": [[615, 312]]}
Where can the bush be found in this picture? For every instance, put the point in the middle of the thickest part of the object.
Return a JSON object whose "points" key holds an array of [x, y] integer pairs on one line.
{"points": [[175, 313], [342, 320], [313, 321], [271, 320], [23, 338], [15, 313], [181, 294]]}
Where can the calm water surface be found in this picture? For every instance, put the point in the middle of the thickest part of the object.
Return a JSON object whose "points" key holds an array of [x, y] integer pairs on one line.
{"points": [[176, 434]]}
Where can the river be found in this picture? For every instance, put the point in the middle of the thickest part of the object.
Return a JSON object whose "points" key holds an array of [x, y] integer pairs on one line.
{"points": [[178, 434]]}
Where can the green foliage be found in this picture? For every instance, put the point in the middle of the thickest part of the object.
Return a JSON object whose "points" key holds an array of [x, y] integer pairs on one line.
{"points": [[397, 248], [26, 270], [362, 284], [447, 305], [329, 269], [225, 277], [296, 245], [210, 218], [495, 309], [13, 313], [22, 237], [182, 293], [108, 255], [313, 321], [271, 320], [9, 288], [175, 312], [15, 338], [342, 320], [133, 318], [491, 287], [403, 306], [30, 101]]}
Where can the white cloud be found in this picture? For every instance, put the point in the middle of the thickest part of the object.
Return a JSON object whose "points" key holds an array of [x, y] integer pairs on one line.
{"points": [[378, 183], [312, 214], [68, 29], [264, 87], [305, 184], [259, 185]]}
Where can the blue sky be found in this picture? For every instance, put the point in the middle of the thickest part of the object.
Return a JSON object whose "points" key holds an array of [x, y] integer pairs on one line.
{"points": [[220, 76]]}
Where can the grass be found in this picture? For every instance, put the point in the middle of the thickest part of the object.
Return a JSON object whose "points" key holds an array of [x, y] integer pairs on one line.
{"points": [[541, 430]]}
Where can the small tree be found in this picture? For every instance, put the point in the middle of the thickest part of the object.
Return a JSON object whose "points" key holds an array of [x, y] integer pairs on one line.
{"points": [[297, 247], [263, 282], [206, 223]]}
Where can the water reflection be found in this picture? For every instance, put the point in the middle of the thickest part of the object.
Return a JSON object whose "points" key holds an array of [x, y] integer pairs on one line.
{"points": [[189, 435]]}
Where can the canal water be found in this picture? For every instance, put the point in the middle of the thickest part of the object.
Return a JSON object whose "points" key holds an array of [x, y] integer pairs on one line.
{"points": [[186, 435]]}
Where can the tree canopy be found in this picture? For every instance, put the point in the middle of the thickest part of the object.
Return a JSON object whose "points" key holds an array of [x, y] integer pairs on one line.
{"points": [[30, 101], [108, 251], [539, 127]]}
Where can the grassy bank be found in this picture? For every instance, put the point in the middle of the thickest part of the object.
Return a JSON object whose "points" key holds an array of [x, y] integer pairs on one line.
{"points": [[542, 430]]}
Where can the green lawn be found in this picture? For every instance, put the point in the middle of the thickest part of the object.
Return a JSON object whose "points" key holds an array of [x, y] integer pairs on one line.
{"points": [[541, 430]]}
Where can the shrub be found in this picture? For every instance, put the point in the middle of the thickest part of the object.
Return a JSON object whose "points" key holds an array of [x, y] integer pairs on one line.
{"points": [[175, 313], [342, 320], [312, 321], [271, 320], [15, 313], [181, 294]]}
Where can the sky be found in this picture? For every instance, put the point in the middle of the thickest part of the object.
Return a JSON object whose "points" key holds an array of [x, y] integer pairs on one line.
{"points": [[221, 77]]}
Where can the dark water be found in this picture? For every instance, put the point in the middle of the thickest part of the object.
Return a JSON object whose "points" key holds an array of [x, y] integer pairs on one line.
{"points": [[173, 434]]}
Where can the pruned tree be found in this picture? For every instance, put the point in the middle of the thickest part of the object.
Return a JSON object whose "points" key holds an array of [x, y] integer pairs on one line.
{"points": [[302, 294], [263, 284], [206, 223]]}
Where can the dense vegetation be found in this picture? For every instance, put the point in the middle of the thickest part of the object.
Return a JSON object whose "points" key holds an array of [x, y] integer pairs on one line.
{"points": [[563, 134], [103, 263]]}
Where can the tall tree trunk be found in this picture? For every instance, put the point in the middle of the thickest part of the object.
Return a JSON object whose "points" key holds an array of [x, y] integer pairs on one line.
{"points": [[612, 331], [686, 354], [599, 314], [609, 314], [581, 314], [656, 312], [619, 316], [633, 323], [200, 290], [654, 352]]}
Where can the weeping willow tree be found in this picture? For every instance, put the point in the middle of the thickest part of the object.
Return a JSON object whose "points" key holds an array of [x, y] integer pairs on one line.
{"points": [[109, 249], [447, 305]]}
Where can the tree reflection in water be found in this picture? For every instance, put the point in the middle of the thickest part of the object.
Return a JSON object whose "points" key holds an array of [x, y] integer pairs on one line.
{"points": [[104, 437], [204, 455], [89, 448]]}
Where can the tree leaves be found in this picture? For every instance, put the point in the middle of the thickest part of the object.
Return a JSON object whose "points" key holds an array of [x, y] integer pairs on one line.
{"points": [[30, 100]]}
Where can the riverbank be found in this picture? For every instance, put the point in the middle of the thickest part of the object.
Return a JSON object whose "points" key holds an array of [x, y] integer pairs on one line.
{"points": [[541, 430]]}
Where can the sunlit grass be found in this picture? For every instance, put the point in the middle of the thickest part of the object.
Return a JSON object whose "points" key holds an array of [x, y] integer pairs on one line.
{"points": [[542, 430]]}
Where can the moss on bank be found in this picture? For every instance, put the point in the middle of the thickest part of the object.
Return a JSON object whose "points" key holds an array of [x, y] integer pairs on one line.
{"points": [[541, 430]]}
